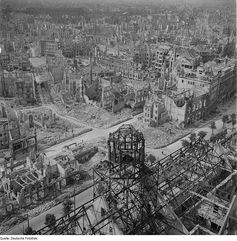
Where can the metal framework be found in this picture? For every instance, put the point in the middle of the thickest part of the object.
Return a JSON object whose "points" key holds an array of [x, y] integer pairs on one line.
{"points": [[230, 140], [172, 196]]}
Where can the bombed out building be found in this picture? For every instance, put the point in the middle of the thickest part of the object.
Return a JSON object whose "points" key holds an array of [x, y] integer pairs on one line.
{"points": [[12, 137], [18, 85]]}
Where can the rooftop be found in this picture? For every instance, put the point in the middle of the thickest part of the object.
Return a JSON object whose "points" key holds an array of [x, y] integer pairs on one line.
{"points": [[137, 85], [188, 53], [44, 77], [38, 62]]}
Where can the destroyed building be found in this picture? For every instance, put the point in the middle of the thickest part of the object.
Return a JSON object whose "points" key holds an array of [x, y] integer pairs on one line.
{"points": [[4, 131], [217, 80], [154, 111], [116, 96], [184, 109], [193, 93], [72, 84], [31, 179], [18, 85], [12, 137], [35, 177], [44, 119]]}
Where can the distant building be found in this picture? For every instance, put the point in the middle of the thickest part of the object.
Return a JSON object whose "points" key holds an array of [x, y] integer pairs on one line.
{"points": [[11, 137], [73, 84], [56, 65], [218, 81], [188, 58], [19, 85], [184, 108], [48, 47], [30, 180], [154, 112], [158, 56], [4, 128]]}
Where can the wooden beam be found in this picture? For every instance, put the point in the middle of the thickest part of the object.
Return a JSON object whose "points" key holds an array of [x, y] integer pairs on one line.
{"points": [[232, 207], [209, 200]]}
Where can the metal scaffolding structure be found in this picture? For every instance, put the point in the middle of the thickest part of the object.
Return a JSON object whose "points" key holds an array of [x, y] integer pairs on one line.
{"points": [[179, 194]]}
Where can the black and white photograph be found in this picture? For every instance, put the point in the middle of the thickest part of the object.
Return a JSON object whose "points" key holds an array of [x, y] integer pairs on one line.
{"points": [[118, 118]]}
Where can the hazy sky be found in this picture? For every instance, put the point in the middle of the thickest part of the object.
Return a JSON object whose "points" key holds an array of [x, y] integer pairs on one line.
{"points": [[129, 2]]}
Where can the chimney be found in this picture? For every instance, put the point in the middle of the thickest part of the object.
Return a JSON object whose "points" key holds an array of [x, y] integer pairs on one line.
{"points": [[111, 82], [91, 67], [226, 60]]}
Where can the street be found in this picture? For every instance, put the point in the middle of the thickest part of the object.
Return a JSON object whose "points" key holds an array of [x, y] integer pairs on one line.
{"points": [[38, 222]]}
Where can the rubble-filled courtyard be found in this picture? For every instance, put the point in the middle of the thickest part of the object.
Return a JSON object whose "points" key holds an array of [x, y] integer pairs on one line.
{"points": [[161, 135], [50, 128], [95, 116]]}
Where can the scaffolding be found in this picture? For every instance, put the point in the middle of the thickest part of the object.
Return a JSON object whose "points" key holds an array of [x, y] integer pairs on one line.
{"points": [[179, 194]]}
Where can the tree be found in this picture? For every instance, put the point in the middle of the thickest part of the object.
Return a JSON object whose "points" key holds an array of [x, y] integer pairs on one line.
{"points": [[213, 126], [29, 231], [151, 158], [50, 220], [192, 137], [224, 120], [202, 134], [233, 116], [233, 122], [213, 139], [217, 137], [185, 143], [100, 188], [67, 206]]}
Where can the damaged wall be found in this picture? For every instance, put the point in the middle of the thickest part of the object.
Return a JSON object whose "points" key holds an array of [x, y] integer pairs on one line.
{"points": [[176, 113]]}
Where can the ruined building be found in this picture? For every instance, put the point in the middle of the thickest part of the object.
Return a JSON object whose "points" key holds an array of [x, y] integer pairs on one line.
{"points": [[154, 111], [4, 128], [217, 80], [184, 108], [18, 85], [72, 84], [31, 179], [12, 138], [195, 93]]}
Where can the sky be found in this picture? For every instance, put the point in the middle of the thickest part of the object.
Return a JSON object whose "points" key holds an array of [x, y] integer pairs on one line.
{"points": [[77, 2], [127, 1]]}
